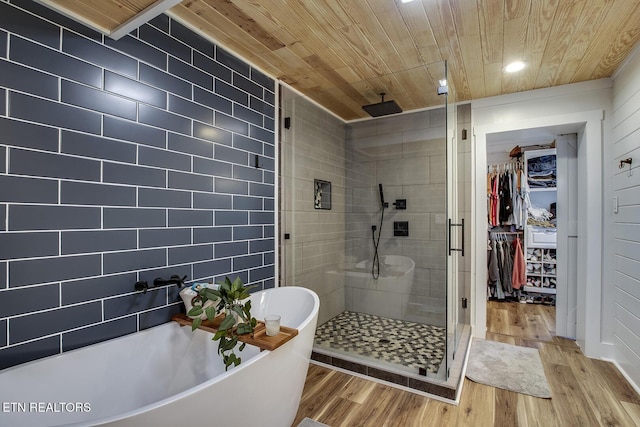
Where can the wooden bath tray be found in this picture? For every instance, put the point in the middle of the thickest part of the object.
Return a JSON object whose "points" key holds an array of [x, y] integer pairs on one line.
{"points": [[259, 339]]}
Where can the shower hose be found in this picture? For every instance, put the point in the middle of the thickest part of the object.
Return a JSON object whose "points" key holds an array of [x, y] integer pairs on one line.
{"points": [[375, 266]]}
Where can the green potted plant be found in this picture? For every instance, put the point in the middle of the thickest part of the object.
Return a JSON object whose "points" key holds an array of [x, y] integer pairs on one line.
{"points": [[229, 298]]}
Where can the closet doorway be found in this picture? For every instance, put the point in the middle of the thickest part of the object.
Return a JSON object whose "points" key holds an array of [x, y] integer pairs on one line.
{"points": [[541, 227]]}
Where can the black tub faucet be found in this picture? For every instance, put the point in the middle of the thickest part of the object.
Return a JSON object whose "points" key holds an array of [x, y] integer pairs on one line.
{"points": [[173, 280], [143, 286]]}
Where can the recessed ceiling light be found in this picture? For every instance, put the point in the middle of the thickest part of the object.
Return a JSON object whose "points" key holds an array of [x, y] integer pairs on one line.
{"points": [[405, 1], [514, 67]]}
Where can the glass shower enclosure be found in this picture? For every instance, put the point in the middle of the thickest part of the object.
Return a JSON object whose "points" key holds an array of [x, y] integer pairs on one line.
{"points": [[369, 221]]}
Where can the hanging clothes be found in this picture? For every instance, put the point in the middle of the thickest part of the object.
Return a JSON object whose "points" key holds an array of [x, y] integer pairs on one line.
{"points": [[506, 269], [505, 203], [505, 265], [519, 275], [495, 200], [493, 278], [518, 219], [494, 272], [524, 195]]}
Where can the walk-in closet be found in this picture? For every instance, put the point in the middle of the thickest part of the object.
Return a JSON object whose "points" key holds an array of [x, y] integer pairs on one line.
{"points": [[530, 231]]}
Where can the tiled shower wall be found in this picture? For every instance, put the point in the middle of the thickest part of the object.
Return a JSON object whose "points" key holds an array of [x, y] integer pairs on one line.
{"points": [[123, 161]]}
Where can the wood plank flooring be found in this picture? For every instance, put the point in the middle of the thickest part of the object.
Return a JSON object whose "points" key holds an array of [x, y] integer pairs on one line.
{"points": [[586, 392]]}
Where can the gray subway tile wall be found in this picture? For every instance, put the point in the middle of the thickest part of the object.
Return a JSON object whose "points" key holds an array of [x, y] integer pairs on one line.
{"points": [[88, 289], [97, 100], [55, 62], [28, 135], [53, 165], [123, 161], [188, 145], [28, 245], [18, 77], [96, 53], [26, 300], [162, 80], [28, 26], [217, 234], [135, 90], [138, 49], [95, 147], [16, 354], [82, 193], [55, 114], [40, 324], [3, 43], [160, 197], [47, 270], [100, 332], [27, 190], [39, 217], [3, 333], [207, 63]]}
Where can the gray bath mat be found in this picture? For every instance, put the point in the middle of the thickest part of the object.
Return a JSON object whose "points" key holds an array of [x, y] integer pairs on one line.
{"points": [[308, 422], [508, 367]]}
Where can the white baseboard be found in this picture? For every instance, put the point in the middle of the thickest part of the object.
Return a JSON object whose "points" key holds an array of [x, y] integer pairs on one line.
{"points": [[635, 386]]}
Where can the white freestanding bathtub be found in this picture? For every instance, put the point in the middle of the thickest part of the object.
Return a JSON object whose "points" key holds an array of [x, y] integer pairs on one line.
{"points": [[168, 376]]}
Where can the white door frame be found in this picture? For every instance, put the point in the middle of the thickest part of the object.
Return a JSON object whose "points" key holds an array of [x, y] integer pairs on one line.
{"points": [[590, 223]]}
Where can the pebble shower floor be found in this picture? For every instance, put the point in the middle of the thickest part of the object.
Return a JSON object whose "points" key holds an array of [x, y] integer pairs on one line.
{"points": [[399, 342]]}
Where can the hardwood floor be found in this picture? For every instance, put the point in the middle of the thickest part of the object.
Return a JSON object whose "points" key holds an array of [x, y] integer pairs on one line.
{"points": [[586, 392]]}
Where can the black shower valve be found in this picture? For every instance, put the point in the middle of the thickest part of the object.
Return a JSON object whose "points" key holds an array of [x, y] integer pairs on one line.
{"points": [[400, 204]]}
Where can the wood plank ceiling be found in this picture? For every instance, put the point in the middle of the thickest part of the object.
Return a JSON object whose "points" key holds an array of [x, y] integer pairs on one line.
{"points": [[343, 53]]}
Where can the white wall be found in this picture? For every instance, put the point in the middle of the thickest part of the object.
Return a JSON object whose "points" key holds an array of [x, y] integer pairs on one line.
{"points": [[624, 281], [566, 108]]}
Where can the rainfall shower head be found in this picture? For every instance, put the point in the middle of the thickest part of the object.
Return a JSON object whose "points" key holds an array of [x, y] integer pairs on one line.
{"points": [[382, 108]]}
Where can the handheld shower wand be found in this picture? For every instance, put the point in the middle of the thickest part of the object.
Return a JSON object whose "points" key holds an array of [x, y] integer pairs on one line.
{"points": [[383, 203]]}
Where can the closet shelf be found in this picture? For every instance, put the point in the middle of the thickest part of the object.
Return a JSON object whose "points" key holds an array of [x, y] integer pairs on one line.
{"points": [[542, 189], [541, 290], [541, 242]]}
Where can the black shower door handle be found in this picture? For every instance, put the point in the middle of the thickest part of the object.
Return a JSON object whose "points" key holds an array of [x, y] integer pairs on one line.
{"points": [[451, 248]]}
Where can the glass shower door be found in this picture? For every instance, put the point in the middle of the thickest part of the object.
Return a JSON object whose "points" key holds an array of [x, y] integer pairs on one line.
{"points": [[455, 224]]}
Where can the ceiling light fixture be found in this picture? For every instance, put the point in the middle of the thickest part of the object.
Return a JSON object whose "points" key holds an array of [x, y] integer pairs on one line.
{"points": [[514, 67], [405, 1]]}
